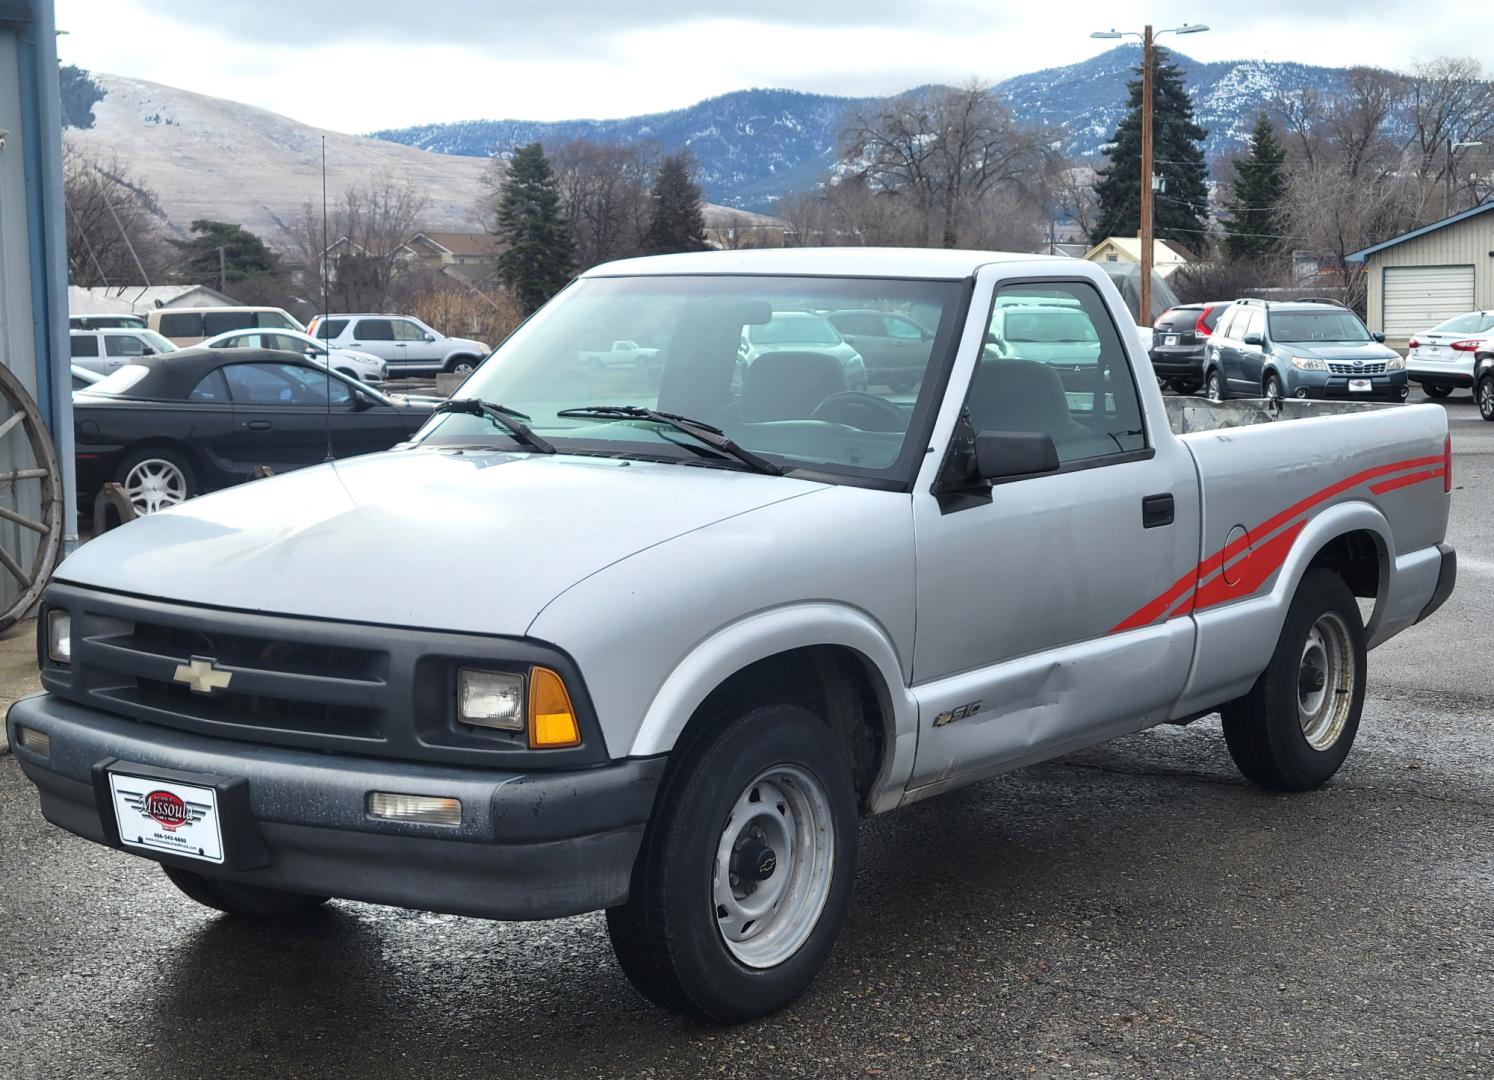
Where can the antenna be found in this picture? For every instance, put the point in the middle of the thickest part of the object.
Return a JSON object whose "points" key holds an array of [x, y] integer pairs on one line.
{"points": [[326, 311]]}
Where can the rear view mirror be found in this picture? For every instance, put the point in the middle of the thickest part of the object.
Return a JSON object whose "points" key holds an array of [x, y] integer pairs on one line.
{"points": [[1002, 454]]}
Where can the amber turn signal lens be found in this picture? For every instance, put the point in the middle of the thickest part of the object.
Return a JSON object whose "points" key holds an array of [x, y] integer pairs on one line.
{"points": [[552, 721]]}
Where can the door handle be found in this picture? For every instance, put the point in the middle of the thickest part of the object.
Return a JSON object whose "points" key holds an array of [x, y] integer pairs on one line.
{"points": [[1156, 511], [265, 425]]}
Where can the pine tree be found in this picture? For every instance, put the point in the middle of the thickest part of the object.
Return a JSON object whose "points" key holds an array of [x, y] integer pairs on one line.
{"points": [[1180, 210], [541, 253], [219, 249], [1255, 225], [677, 223]]}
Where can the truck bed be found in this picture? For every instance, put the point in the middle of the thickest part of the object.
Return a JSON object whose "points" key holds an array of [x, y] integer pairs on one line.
{"points": [[1188, 415]]}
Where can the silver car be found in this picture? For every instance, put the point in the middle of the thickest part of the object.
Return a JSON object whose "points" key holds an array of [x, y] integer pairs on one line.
{"points": [[802, 332]]}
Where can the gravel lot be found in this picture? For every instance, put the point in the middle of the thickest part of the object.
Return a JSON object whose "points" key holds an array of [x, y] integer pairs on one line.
{"points": [[1136, 910]]}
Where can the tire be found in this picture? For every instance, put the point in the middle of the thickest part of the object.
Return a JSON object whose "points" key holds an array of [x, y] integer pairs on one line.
{"points": [[461, 365], [1164, 384], [1436, 391], [686, 938], [1272, 387], [1186, 387], [156, 477], [1295, 727], [1214, 388], [1484, 395], [235, 898]]}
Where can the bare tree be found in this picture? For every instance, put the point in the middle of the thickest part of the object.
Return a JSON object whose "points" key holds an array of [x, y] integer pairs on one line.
{"points": [[604, 191], [114, 227], [366, 230], [1448, 103], [942, 151]]}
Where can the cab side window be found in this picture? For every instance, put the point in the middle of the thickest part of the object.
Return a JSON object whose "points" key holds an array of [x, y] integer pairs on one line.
{"points": [[1055, 364], [406, 331], [284, 384], [85, 345], [374, 330]]}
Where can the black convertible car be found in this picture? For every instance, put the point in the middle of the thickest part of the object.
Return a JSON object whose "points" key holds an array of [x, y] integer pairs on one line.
{"points": [[172, 426]]}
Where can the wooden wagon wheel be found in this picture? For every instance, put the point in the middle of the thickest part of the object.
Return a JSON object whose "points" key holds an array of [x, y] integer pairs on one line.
{"points": [[34, 462]]}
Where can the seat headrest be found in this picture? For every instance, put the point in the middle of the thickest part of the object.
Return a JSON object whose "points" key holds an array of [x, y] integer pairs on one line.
{"points": [[789, 385], [1019, 395]]}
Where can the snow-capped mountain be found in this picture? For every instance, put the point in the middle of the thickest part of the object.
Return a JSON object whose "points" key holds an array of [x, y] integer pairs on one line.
{"points": [[754, 146]]}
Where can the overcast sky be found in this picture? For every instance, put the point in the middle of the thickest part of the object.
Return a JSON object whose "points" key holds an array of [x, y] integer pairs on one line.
{"points": [[357, 66]]}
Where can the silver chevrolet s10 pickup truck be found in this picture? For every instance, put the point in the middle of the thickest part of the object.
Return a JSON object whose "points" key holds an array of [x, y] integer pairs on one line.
{"points": [[673, 627]]}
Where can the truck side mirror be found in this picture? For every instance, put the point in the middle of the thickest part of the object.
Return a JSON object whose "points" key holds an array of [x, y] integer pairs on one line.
{"points": [[1001, 454]]}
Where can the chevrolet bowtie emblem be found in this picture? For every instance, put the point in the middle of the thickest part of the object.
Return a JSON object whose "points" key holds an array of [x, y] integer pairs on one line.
{"points": [[201, 676]]}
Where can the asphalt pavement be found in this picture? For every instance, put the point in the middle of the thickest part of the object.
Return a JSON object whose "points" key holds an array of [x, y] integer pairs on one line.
{"points": [[1137, 910]]}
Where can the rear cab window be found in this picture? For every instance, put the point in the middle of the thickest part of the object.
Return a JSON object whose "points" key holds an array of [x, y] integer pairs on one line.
{"points": [[85, 345]]}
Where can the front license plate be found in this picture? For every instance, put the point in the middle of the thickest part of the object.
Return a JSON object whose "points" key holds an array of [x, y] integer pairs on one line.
{"points": [[162, 815], [1169, 339], [1360, 386]]}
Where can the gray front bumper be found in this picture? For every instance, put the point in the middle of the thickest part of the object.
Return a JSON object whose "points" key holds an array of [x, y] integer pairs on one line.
{"points": [[529, 846]]}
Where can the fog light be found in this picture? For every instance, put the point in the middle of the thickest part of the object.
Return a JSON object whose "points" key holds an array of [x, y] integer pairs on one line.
{"points": [[492, 699], [1302, 393], [38, 742], [552, 721], [420, 809], [59, 637]]}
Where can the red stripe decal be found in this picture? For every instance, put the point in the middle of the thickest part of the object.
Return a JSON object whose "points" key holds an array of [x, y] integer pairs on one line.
{"points": [[1184, 588], [1406, 481], [1251, 572]]}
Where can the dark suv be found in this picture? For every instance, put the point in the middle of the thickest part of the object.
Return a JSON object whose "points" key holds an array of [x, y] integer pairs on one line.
{"points": [[1300, 348], [1178, 339]]}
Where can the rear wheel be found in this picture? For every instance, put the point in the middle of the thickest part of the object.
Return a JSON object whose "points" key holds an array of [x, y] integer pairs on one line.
{"points": [[1484, 395], [156, 478], [1436, 391], [743, 879], [252, 901], [1295, 727], [1214, 386]]}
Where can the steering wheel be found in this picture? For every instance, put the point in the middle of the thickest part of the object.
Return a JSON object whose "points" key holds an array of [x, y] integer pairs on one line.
{"points": [[861, 410]]}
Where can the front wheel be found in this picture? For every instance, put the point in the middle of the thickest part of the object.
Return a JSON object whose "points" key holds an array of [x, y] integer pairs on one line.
{"points": [[1295, 727], [1484, 395], [742, 883], [1273, 387], [1433, 391], [461, 365]]}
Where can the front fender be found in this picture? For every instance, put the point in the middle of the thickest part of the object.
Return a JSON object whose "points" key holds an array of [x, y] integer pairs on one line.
{"points": [[767, 633]]}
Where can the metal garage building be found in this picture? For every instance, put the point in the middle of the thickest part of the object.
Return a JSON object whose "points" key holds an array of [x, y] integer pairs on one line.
{"points": [[33, 255], [1422, 277]]}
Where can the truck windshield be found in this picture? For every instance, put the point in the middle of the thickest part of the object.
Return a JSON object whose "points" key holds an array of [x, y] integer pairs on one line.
{"points": [[1300, 326], [805, 401]]}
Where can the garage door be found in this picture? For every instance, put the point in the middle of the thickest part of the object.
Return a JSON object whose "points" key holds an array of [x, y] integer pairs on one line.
{"points": [[1419, 297]]}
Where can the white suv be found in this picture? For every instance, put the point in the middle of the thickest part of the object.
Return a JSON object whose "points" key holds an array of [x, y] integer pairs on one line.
{"points": [[105, 351], [409, 346]]}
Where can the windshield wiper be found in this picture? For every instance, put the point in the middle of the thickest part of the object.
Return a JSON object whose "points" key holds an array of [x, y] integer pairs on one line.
{"points": [[510, 420], [699, 430]]}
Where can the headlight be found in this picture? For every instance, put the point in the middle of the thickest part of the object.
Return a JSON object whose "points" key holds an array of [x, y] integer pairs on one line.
{"points": [[1309, 363], [491, 699], [59, 637], [1397, 363]]}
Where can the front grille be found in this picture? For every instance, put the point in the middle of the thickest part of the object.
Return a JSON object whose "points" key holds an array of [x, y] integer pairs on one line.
{"points": [[1377, 368], [298, 682]]}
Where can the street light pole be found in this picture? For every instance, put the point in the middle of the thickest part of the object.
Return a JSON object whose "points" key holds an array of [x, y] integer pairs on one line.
{"points": [[1144, 310], [1447, 190]]}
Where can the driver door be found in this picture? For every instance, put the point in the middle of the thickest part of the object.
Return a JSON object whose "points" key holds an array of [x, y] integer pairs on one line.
{"points": [[1033, 633]]}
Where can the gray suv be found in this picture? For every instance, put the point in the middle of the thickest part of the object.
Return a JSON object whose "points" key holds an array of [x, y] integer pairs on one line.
{"points": [[1301, 349]]}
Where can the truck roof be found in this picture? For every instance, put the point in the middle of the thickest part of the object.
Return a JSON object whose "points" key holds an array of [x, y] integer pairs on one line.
{"points": [[930, 263]]}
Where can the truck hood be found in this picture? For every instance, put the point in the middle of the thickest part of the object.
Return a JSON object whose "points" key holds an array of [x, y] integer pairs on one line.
{"points": [[472, 541]]}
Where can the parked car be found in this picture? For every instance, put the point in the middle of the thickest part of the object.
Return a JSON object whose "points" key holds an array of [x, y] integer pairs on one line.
{"points": [[171, 427], [800, 332], [191, 326], [1027, 326], [627, 354], [894, 347], [365, 367], [106, 351], [84, 377], [1179, 337], [1441, 359], [1300, 349], [1483, 387], [406, 344], [696, 658], [106, 322]]}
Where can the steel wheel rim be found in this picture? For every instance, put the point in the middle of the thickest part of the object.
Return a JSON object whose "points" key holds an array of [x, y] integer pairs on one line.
{"points": [[154, 484], [765, 920], [1325, 681]]}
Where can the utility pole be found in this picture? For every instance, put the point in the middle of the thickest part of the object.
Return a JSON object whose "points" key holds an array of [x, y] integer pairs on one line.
{"points": [[1144, 314]]}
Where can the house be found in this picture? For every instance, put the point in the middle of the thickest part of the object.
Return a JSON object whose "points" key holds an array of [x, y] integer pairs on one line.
{"points": [[142, 299], [1166, 259], [730, 229], [1422, 277], [438, 249]]}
